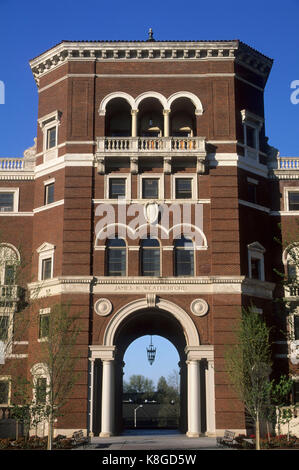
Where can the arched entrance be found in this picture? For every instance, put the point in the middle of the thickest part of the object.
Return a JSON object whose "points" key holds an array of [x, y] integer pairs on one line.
{"points": [[152, 315]]}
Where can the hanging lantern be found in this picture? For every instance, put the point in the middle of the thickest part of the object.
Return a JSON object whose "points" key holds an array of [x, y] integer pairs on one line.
{"points": [[151, 353]]}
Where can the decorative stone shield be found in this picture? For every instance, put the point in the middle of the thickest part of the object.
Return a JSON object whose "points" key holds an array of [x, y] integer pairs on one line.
{"points": [[151, 212]]}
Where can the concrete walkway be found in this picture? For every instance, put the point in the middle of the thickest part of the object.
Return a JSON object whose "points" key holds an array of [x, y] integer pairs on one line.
{"points": [[151, 440]]}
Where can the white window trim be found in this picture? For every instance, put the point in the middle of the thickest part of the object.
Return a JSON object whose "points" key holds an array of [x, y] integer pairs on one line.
{"points": [[39, 371], [47, 122], [256, 122], [126, 176], [45, 251], [6, 378], [256, 251], [160, 177], [16, 192], [193, 178], [43, 311], [286, 191]]}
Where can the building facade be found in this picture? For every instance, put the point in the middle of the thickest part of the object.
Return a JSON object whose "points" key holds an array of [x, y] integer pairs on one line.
{"points": [[150, 202]]}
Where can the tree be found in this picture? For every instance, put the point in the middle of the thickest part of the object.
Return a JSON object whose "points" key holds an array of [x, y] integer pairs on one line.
{"points": [[59, 358], [140, 384], [248, 364]]}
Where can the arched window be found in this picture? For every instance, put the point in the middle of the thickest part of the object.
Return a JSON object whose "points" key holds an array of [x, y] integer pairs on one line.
{"points": [[150, 257], [183, 257], [116, 257]]}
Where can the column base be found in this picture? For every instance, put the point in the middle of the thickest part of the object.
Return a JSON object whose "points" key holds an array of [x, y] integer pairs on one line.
{"points": [[105, 434], [193, 434]]}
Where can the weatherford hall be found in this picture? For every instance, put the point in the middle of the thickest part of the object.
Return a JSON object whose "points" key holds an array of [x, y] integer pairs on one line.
{"points": [[149, 202]]}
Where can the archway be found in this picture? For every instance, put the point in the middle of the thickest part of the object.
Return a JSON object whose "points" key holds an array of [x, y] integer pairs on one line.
{"points": [[151, 385], [152, 315]]}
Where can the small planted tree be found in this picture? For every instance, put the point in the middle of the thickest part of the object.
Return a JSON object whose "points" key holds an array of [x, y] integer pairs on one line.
{"points": [[58, 355], [248, 364]]}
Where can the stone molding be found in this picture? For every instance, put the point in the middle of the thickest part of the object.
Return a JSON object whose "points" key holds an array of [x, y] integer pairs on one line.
{"points": [[150, 51]]}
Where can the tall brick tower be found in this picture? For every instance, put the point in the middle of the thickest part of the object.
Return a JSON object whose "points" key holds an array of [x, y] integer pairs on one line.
{"points": [[149, 202]]}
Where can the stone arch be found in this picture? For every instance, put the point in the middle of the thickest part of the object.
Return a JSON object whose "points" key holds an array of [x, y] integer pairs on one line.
{"points": [[186, 94], [150, 301], [111, 96], [152, 94]]}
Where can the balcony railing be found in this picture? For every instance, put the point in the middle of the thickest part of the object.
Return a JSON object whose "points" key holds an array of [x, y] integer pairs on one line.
{"points": [[16, 164], [288, 163], [150, 144], [9, 293]]}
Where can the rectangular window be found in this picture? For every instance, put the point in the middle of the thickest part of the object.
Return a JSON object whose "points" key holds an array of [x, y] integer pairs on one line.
{"points": [[117, 188], [296, 327], [43, 325], [41, 390], [51, 138], [49, 193], [150, 188], [252, 193], [6, 202], [46, 268], [4, 327], [4, 392], [184, 262], [251, 137], [255, 268], [293, 201], [295, 393], [183, 188], [9, 275]]}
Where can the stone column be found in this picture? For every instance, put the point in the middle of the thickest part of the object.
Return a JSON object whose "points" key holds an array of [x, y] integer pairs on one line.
{"points": [[193, 396], [210, 397], [166, 122], [91, 395], [134, 122], [107, 398]]}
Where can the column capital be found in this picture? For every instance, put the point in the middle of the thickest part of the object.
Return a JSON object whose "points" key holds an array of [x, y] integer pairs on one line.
{"points": [[134, 111], [105, 353], [204, 351], [166, 111]]}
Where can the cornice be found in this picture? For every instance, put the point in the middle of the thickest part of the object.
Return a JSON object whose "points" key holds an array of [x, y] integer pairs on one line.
{"points": [[150, 51]]}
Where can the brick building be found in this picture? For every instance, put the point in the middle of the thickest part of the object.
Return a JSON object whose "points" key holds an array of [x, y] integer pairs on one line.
{"points": [[173, 131]]}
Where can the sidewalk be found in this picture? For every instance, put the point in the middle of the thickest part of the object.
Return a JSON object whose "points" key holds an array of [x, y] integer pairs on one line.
{"points": [[151, 440]]}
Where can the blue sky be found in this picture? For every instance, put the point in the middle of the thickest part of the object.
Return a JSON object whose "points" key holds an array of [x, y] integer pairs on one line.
{"points": [[30, 27]]}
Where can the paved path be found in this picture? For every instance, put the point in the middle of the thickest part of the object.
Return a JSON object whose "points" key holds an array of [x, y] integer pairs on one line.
{"points": [[152, 440]]}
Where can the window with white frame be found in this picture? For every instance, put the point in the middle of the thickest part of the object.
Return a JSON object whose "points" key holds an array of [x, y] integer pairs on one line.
{"points": [[151, 186], [252, 125], [49, 125], [118, 186], [9, 200], [46, 261], [256, 268], [44, 322], [40, 383], [291, 199], [49, 191], [184, 186], [5, 390]]}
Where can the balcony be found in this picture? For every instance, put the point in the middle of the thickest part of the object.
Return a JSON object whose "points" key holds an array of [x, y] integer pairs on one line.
{"points": [[141, 145], [288, 163], [9, 294]]}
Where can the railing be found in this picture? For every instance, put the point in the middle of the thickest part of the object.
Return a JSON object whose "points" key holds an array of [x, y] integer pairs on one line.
{"points": [[9, 293], [288, 163], [5, 412], [16, 164], [151, 144]]}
